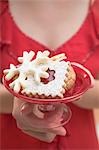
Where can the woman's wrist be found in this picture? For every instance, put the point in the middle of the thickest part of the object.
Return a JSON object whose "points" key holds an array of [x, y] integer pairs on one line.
{"points": [[90, 99]]}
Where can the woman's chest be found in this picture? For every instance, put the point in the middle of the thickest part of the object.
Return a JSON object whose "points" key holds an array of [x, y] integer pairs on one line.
{"points": [[78, 49], [50, 23]]}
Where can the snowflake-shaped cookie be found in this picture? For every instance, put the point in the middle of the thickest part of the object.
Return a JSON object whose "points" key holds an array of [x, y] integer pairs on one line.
{"points": [[28, 74]]}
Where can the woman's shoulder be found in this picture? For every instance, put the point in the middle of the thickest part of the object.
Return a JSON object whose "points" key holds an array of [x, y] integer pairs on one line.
{"points": [[3, 7], [95, 13], [5, 22], [95, 8]]}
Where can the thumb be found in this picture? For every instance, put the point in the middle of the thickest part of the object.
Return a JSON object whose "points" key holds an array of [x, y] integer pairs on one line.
{"points": [[59, 131]]}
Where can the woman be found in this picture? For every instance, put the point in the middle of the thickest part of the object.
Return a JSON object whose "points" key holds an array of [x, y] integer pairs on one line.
{"points": [[51, 22]]}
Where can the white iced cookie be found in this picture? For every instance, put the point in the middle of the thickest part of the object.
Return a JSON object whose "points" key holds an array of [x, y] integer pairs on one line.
{"points": [[29, 73]]}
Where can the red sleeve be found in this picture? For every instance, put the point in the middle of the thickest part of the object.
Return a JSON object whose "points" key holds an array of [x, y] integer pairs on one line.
{"points": [[93, 62], [3, 7], [5, 33], [95, 11], [5, 23]]}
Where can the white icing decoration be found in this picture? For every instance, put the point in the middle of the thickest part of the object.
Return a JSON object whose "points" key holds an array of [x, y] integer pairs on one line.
{"points": [[10, 72], [31, 71]]}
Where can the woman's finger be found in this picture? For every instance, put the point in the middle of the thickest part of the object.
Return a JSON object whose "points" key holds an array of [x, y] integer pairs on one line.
{"points": [[58, 131]]}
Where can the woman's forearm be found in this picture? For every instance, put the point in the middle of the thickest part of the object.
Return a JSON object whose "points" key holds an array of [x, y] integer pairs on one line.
{"points": [[6, 100], [90, 99]]}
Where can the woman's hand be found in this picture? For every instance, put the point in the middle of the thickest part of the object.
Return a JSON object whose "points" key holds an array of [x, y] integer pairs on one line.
{"points": [[36, 123]]}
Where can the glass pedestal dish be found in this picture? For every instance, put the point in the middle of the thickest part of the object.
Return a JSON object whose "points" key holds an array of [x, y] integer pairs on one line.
{"points": [[55, 112]]}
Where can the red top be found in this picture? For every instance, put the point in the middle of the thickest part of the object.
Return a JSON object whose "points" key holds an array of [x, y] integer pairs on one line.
{"points": [[83, 47]]}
